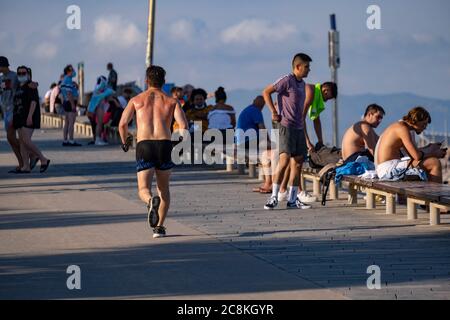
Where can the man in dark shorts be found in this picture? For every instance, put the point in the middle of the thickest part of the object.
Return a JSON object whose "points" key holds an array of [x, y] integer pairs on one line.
{"points": [[290, 122], [154, 114]]}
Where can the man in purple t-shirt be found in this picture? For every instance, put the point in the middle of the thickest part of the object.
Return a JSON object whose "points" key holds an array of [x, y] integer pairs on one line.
{"points": [[289, 119]]}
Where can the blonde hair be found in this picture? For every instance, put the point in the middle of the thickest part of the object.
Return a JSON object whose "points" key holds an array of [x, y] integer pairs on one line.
{"points": [[418, 114]]}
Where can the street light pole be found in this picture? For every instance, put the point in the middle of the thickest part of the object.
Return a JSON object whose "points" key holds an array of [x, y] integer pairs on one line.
{"points": [[334, 62], [150, 32], [81, 82]]}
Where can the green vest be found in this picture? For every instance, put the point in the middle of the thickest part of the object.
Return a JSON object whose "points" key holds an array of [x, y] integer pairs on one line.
{"points": [[318, 104]]}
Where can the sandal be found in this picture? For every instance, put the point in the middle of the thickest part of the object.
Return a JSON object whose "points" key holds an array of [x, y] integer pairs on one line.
{"points": [[20, 171], [33, 163], [16, 170], [44, 167], [265, 191]]}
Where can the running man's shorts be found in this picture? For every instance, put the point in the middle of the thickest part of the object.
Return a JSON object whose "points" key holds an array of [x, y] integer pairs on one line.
{"points": [[154, 154]]}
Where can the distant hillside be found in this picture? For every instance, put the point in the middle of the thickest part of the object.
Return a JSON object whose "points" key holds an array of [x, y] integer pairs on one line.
{"points": [[351, 108]]}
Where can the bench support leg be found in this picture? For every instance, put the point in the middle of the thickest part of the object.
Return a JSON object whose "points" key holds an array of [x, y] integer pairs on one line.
{"points": [[411, 209], [370, 200], [241, 168], [352, 194], [390, 204], [435, 215], [333, 191], [230, 162], [252, 171], [316, 187]]}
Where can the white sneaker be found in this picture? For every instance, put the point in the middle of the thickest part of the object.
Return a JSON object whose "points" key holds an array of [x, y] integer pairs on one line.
{"points": [[271, 204], [305, 197], [101, 143], [297, 204], [282, 196]]}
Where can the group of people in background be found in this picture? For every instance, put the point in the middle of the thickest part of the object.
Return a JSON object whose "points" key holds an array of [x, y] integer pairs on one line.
{"points": [[105, 106], [193, 101]]}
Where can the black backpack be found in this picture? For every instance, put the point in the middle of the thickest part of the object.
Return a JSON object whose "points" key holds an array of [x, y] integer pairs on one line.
{"points": [[327, 174]]}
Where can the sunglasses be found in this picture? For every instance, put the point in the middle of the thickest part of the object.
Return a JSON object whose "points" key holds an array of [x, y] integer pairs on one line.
{"points": [[22, 73]]}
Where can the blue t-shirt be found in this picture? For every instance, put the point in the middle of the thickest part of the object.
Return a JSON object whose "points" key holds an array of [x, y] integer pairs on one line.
{"points": [[249, 118]]}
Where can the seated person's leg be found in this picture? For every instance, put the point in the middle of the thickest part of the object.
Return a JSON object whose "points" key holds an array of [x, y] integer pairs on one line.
{"points": [[433, 168]]}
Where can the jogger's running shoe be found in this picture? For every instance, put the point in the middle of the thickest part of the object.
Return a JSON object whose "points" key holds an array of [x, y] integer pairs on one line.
{"points": [[153, 207], [272, 203], [159, 232], [297, 204]]}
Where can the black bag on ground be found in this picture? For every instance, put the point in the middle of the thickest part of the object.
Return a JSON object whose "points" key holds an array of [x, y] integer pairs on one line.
{"points": [[324, 156], [327, 174]]}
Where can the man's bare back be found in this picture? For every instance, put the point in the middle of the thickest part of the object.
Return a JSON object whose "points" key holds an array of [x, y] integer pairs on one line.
{"points": [[154, 115], [358, 138], [393, 139]]}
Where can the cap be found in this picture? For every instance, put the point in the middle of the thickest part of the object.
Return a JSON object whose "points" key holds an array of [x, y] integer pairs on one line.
{"points": [[4, 62]]}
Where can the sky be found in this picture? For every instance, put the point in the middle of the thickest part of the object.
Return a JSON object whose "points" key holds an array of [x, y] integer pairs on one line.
{"points": [[237, 44]]}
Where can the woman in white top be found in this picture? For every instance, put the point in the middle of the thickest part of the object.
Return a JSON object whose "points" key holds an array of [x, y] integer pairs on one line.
{"points": [[222, 116]]}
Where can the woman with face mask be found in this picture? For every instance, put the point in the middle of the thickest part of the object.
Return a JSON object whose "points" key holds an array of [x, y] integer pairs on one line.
{"points": [[26, 118], [198, 111]]}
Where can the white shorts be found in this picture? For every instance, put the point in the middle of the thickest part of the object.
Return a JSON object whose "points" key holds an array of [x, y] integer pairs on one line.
{"points": [[394, 170]]}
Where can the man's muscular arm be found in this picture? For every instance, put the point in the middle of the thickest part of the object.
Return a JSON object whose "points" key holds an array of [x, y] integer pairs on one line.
{"points": [[370, 137], [409, 144], [127, 116], [180, 117]]}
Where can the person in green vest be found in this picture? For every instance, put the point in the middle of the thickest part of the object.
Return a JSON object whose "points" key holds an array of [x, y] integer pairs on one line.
{"points": [[316, 97]]}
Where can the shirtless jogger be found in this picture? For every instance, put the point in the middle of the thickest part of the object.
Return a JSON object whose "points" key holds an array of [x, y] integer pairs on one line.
{"points": [[154, 114]]}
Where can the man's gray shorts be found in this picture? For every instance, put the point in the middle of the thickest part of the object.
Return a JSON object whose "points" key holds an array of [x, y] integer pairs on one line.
{"points": [[292, 141]]}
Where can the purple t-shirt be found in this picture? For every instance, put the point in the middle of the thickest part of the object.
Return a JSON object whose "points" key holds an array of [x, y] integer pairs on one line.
{"points": [[291, 98]]}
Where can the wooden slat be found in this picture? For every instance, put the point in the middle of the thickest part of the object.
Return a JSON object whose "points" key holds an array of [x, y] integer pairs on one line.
{"points": [[358, 181]]}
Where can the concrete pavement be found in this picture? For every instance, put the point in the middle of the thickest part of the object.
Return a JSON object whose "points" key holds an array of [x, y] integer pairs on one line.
{"points": [[222, 244]]}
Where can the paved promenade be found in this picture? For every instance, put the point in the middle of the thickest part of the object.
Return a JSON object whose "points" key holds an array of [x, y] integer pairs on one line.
{"points": [[222, 245]]}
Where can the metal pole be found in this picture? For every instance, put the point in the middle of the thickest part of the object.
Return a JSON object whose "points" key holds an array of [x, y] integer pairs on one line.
{"points": [[334, 62], [81, 82], [150, 32], [334, 78]]}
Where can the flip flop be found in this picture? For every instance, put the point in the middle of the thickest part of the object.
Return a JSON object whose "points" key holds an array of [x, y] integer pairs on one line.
{"points": [[33, 163], [256, 189], [16, 170], [44, 167], [265, 191], [153, 207], [22, 171]]}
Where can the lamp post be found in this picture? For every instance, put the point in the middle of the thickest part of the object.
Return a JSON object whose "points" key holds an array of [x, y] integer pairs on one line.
{"points": [[81, 82], [334, 62], [150, 32]]}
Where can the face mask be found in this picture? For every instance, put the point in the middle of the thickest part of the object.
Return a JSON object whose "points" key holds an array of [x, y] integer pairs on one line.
{"points": [[22, 79]]}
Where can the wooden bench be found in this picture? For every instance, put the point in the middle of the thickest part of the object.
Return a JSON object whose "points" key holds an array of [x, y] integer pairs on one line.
{"points": [[435, 196]]}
